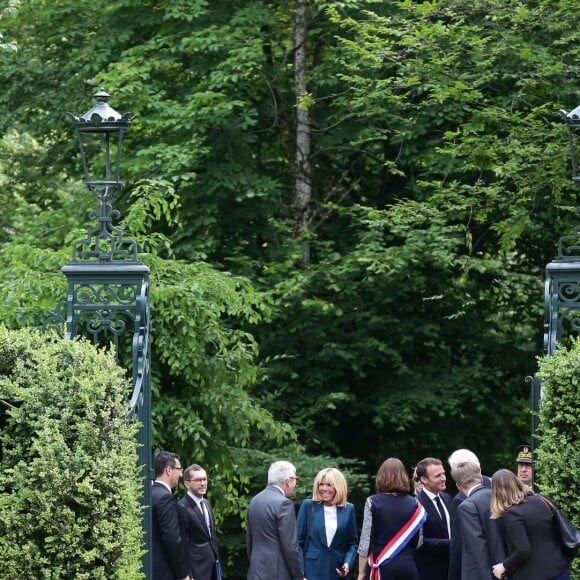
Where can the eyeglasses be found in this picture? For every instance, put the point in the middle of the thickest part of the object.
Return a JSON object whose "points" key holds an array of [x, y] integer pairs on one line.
{"points": [[178, 468], [197, 479]]}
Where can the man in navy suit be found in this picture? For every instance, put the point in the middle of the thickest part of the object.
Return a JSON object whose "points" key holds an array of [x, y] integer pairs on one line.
{"points": [[432, 558], [167, 549], [197, 525]]}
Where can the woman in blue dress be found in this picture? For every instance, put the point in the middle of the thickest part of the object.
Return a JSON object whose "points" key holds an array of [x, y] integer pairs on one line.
{"points": [[327, 532]]}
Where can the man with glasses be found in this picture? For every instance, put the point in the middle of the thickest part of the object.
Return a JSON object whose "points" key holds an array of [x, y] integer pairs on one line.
{"points": [[197, 526], [167, 548], [271, 528]]}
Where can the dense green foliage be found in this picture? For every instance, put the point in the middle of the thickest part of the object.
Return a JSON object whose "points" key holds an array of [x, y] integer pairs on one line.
{"points": [[437, 168], [69, 481], [558, 465]]}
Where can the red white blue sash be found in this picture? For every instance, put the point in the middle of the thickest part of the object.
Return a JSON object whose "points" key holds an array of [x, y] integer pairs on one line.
{"points": [[397, 542]]}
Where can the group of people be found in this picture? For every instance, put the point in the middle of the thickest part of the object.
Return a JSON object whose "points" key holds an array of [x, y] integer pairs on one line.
{"points": [[496, 527]]}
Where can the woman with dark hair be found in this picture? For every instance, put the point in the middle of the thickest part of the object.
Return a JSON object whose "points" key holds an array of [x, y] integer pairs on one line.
{"points": [[535, 551], [391, 529], [327, 532]]}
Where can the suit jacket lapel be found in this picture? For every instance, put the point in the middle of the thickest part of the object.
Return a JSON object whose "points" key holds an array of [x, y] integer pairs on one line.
{"points": [[318, 522], [197, 513], [208, 511]]}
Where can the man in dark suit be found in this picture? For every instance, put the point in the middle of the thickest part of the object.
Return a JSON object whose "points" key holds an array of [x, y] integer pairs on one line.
{"points": [[432, 558], [197, 526], [457, 458], [271, 528], [167, 549], [482, 539]]}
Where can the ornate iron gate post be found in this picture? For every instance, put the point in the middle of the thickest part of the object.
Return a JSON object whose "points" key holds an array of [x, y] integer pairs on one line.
{"points": [[562, 281], [108, 286]]}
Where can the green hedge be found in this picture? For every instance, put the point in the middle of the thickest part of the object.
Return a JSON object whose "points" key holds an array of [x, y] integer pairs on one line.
{"points": [[558, 465], [69, 480]]}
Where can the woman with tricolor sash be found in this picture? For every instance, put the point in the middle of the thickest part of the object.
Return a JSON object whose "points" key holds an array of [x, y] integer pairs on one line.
{"points": [[392, 524]]}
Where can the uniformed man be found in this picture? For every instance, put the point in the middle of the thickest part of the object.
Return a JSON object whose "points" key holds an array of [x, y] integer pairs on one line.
{"points": [[525, 463]]}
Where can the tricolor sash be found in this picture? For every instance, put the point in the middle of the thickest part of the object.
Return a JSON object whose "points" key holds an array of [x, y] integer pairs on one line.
{"points": [[397, 542]]}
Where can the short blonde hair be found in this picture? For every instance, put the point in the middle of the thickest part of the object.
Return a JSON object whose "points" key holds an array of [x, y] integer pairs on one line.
{"points": [[506, 490], [334, 478]]}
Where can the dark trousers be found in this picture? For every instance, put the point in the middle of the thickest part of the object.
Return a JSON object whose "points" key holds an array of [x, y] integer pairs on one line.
{"points": [[565, 575]]}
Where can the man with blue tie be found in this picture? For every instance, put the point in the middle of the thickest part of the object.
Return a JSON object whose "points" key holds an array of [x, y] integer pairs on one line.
{"points": [[432, 558]]}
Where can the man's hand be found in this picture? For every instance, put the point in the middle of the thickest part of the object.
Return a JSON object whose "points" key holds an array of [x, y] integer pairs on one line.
{"points": [[498, 571]]}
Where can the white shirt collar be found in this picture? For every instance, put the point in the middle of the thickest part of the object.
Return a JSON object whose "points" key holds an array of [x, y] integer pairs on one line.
{"points": [[164, 484], [196, 499], [474, 487]]}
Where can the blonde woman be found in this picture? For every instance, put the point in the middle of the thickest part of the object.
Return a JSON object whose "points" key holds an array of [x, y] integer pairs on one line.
{"points": [[534, 549], [327, 532]]}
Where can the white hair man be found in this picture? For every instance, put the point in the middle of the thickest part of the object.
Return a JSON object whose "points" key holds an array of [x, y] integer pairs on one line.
{"points": [[271, 528], [482, 538], [458, 458]]}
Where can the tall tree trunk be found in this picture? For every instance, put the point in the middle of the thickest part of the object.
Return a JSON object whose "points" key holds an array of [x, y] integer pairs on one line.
{"points": [[303, 182]]}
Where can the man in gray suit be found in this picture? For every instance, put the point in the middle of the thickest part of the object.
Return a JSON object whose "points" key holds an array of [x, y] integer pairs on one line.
{"points": [[482, 539], [271, 528]]}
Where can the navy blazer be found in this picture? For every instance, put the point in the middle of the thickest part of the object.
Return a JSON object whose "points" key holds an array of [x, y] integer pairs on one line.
{"points": [[167, 549], [320, 560], [201, 546], [432, 558]]}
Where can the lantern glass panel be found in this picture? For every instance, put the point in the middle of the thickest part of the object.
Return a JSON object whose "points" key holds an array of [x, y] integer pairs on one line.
{"points": [[101, 156]]}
